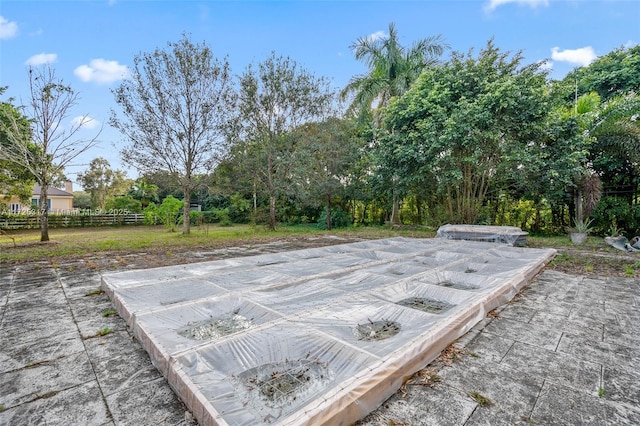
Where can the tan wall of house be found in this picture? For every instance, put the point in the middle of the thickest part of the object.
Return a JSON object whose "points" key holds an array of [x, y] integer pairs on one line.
{"points": [[61, 204], [58, 204]]}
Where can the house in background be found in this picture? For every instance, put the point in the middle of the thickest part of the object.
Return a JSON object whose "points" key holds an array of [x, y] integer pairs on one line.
{"points": [[59, 201]]}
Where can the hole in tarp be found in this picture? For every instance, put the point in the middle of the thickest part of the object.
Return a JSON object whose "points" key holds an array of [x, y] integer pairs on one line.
{"points": [[283, 382], [376, 330], [431, 306], [458, 286], [216, 328]]}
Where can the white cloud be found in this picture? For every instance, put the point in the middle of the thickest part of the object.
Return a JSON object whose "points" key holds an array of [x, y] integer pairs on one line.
{"points": [[41, 59], [102, 71], [494, 4], [7, 29], [85, 122], [582, 56], [546, 65], [377, 35]]}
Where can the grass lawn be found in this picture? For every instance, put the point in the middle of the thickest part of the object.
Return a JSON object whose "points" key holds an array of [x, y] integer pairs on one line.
{"points": [[77, 242], [594, 257]]}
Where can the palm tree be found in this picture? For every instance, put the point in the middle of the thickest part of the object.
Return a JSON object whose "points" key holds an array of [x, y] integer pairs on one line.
{"points": [[393, 68], [615, 132], [615, 153], [145, 192]]}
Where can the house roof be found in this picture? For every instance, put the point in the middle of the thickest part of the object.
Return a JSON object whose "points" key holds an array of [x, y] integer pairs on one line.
{"points": [[55, 192]]}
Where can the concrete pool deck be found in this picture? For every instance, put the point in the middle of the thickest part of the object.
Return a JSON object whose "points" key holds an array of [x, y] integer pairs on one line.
{"points": [[566, 350]]}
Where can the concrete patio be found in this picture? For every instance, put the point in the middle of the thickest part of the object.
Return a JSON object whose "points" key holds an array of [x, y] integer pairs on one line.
{"points": [[566, 350]]}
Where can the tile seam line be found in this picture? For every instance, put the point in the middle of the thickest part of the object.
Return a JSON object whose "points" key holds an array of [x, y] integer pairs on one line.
{"points": [[93, 370]]}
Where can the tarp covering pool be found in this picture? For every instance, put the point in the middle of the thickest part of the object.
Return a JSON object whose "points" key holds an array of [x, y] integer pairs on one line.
{"points": [[314, 336]]}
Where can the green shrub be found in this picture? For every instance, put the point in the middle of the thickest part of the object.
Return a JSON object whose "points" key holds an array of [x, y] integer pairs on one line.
{"points": [[168, 213], [223, 216], [123, 203], [339, 219], [151, 215], [196, 218], [616, 210]]}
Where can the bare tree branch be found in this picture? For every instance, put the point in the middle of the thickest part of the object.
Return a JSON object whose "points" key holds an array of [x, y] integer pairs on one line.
{"points": [[50, 146]]}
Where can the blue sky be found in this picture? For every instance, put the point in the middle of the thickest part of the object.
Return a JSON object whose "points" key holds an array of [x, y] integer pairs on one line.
{"points": [[92, 43]]}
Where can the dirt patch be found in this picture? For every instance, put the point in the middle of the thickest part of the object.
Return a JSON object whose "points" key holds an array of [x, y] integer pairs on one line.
{"points": [[216, 328], [281, 383], [376, 330], [426, 305], [576, 261]]}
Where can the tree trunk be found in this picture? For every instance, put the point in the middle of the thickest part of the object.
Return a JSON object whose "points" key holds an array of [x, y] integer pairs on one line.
{"points": [[44, 213], [255, 204], [272, 212], [329, 224], [578, 201], [395, 211], [186, 219], [272, 196]]}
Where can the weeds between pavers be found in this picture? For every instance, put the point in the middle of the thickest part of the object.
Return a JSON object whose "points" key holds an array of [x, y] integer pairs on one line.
{"points": [[425, 377], [109, 313], [101, 333], [480, 399], [96, 292]]}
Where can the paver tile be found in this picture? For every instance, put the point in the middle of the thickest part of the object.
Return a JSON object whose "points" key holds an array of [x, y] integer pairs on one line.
{"points": [[555, 367]]}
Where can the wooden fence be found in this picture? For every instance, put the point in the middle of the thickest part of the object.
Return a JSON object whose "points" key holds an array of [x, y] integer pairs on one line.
{"points": [[22, 221]]}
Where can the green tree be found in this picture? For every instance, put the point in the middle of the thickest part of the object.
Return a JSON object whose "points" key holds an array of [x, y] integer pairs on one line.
{"points": [[102, 182], [144, 191], [463, 125], [392, 69], [616, 124], [275, 98], [614, 154], [15, 179], [56, 145], [174, 109], [165, 182], [123, 203], [81, 200], [612, 124], [332, 147], [614, 74], [169, 212]]}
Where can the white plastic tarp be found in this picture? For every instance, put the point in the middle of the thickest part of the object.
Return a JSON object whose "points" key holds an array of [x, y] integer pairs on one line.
{"points": [[511, 235], [316, 336]]}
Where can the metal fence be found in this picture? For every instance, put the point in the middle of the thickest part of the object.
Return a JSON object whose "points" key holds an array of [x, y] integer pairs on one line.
{"points": [[22, 221]]}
